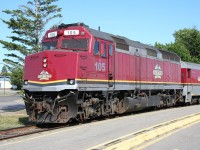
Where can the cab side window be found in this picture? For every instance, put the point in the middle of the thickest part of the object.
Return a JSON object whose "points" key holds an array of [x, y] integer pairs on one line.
{"points": [[96, 48], [103, 52], [110, 49]]}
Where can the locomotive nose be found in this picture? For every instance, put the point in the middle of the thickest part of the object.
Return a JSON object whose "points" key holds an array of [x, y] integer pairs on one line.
{"points": [[54, 68]]}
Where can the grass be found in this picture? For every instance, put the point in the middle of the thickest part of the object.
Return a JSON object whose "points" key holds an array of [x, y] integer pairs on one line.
{"points": [[7, 122]]}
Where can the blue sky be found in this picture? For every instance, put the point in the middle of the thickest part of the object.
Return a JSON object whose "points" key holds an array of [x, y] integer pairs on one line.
{"points": [[147, 21]]}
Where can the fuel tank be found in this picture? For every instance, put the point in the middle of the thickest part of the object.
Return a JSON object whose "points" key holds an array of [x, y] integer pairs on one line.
{"points": [[129, 104]]}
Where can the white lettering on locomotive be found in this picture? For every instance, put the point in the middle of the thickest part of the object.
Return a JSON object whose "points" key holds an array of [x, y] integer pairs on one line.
{"points": [[198, 78], [157, 72], [52, 34], [100, 66], [44, 75], [71, 32]]}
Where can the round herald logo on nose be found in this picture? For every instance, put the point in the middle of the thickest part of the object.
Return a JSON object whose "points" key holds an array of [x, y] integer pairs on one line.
{"points": [[44, 75]]}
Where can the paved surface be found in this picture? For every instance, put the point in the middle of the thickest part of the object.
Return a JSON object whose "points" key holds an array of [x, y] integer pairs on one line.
{"points": [[88, 135], [11, 104], [8, 92], [184, 139]]}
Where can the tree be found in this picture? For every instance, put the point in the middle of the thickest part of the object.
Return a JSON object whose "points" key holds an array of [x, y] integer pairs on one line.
{"points": [[186, 45], [190, 38], [17, 77], [27, 24], [177, 48], [4, 71]]}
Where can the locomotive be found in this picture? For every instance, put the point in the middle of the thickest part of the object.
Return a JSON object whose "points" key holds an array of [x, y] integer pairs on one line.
{"points": [[82, 73]]}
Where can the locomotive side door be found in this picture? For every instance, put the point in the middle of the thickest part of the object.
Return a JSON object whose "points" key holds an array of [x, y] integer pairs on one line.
{"points": [[103, 61], [137, 71], [107, 54], [111, 66]]}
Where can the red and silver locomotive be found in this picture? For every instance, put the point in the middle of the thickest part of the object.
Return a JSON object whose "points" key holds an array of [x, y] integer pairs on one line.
{"points": [[82, 73]]}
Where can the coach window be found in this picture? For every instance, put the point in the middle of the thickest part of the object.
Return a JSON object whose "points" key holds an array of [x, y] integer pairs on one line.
{"points": [[96, 48], [103, 50], [110, 49]]}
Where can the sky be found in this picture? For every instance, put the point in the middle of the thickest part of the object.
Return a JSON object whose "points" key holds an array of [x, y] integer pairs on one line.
{"points": [[147, 21]]}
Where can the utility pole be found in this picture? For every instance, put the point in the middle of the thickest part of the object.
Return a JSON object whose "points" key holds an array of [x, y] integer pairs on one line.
{"points": [[4, 80], [4, 89]]}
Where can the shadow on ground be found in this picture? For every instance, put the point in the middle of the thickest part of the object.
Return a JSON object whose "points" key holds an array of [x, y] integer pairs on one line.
{"points": [[25, 121], [13, 108]]}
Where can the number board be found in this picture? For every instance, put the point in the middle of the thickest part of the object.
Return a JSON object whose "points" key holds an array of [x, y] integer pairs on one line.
{"points": [[71, 32], [52, 34]]}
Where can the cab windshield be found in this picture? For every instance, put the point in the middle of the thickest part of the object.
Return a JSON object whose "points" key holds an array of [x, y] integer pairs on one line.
{"points": [[50, 45], [74, 44]]}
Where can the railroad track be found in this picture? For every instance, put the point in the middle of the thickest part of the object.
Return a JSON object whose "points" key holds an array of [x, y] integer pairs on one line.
{"points": [[21, 131], [27, 130]]}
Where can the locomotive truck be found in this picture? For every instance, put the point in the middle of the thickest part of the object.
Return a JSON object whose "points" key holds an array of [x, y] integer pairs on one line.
{"points": [[82, 73]]}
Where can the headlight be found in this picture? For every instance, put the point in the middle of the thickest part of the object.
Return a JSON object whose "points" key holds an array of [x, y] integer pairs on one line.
{"points": [[25, 82], [71, 81]]}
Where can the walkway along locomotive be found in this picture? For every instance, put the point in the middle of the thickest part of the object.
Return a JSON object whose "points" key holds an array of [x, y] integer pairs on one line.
{"points": [[82, 73]]}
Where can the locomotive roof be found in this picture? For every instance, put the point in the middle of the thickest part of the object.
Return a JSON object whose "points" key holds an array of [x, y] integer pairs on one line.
{"points": [[111, 37], [125, 42], [190, 65], [108, 36]]}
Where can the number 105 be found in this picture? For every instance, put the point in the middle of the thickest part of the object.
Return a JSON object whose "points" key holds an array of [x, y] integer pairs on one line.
{"points": [[100, 66]]}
